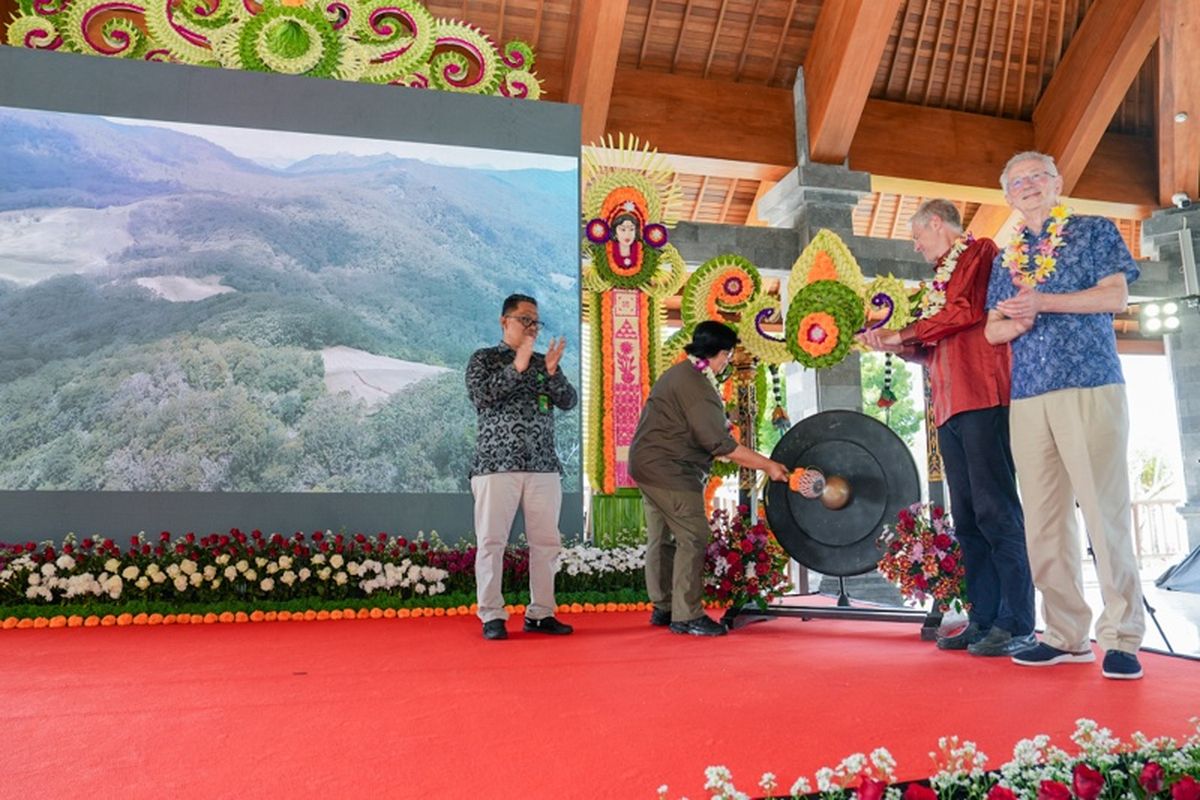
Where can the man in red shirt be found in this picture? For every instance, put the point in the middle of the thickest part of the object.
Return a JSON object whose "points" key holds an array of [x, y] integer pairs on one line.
{"points": [[970, 386]]}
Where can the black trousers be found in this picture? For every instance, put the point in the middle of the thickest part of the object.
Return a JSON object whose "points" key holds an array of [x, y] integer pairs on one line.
{"points": [[988, 519]]}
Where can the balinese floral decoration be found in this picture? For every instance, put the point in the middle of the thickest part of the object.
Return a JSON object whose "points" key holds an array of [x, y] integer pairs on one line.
{"points": [[887, 304], [821, 322], [725, 283], [760, 313], [744, 563], [826, 258], [922, 557], [379, 41], [626, 179], [933, 298], [1101, 766], [1032, 265]]}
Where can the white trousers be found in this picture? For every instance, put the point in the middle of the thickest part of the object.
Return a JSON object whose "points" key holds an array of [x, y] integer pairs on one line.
{"points": [[497, 496], [1069, 446]]}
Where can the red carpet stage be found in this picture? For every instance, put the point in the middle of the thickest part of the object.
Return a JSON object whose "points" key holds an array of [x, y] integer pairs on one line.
{"points": [[425, 708]]}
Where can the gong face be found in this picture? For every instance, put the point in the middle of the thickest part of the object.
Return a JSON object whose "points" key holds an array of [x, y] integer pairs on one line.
{"points": [[882, 476]]}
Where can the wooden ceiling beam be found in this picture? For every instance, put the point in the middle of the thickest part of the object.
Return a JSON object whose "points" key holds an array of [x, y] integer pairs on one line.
{"points": [[592, 62], [1100, 64], [847, 44], [1179, 93], [893, 139]]}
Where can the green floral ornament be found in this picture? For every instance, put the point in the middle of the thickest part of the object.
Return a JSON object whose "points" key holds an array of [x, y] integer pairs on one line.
{"points": [[821, 322], [399, 36], [382, 41], [887, 304], [723, 283], [767, 347]]}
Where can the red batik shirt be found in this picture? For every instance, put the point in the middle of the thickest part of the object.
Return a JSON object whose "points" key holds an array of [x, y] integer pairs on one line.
{"points": [[966, 373]]}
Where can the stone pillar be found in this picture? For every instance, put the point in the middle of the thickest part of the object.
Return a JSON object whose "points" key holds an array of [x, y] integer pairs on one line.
{"points": [[1167, 235]]}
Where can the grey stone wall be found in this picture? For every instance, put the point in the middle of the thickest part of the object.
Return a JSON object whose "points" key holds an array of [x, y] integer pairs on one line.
{"points": [[1161, 236]]}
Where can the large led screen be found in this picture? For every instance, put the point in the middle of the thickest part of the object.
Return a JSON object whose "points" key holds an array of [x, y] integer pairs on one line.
{"points": [[203, 308]]}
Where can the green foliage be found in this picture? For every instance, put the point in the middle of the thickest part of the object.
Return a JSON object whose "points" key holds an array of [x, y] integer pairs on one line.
{"points": [[903, 417]]}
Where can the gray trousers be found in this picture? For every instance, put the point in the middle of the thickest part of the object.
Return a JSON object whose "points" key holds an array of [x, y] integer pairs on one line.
{"points": [[677, 536], [539, 494]]}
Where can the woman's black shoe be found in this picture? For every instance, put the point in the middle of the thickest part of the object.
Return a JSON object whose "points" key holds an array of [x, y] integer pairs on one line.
{"points": [[703, 625]]}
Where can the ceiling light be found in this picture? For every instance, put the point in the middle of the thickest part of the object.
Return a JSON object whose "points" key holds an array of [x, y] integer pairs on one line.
{"points": [[1154, 325], [1181, 116]]}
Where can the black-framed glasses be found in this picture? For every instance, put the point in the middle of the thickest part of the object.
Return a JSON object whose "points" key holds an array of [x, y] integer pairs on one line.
{"points": [[529, 323]]}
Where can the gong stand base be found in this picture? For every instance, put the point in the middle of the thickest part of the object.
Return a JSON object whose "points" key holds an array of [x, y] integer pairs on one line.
{"points": [[929, 621]]}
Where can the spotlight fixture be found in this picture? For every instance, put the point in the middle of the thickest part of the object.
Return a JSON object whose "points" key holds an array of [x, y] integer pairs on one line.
{"points": [[1159, 318]]}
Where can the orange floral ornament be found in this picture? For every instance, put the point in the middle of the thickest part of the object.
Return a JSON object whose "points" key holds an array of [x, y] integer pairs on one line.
{"points": [[817, 334]]}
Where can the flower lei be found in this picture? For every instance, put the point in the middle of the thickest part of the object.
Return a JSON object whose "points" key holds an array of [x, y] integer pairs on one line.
{"points": [[1045, 258], [933, 299], [702, 365]]}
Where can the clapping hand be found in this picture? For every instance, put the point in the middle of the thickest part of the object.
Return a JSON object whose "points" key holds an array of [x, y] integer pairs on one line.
{"points": [[554, 354]]}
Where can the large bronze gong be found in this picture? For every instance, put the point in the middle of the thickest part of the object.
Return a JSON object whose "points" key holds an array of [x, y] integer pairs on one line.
{"points": [[863, 474]]}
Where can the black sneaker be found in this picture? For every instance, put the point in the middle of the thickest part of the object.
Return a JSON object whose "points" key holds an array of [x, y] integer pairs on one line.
{"points": [[1000, 642], [1121, 666], [660, 618], [963, 639], [547, 625], [494, 629], [1043, 655], [702, 625]]}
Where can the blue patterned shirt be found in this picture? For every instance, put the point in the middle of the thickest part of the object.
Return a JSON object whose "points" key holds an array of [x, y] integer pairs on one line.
{"points": [[1068, 351]]}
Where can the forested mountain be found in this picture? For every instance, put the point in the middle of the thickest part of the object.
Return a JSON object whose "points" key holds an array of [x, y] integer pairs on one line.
{"points": [[389, 255]]}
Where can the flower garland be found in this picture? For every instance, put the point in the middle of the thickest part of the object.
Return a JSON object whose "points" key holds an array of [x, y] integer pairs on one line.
{"points": [[702, 365], [1044, 254], [933, 299]]}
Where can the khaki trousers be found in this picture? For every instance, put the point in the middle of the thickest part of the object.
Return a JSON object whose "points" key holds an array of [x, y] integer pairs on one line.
{"points": [[539, 494], [1069, 446], [677, 536]]}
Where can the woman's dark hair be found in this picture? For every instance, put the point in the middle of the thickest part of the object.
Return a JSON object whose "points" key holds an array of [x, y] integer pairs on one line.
{"points": [[710, 338], [637, 226]]}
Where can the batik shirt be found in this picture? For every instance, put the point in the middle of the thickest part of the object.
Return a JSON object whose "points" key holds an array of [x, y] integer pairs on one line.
{"points": [[1068, 351], [516, 411]]}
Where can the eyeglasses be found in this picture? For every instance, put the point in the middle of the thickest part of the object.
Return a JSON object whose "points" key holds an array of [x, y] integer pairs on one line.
{"points": [[528, 322], [1016, 184]]}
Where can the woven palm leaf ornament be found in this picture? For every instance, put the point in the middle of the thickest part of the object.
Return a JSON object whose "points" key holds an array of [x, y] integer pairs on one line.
{"points": [[630, 201], [396, 42]]}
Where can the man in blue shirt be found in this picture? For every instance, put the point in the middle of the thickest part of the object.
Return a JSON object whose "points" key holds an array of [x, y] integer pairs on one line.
{"points": [[1052, 294]]}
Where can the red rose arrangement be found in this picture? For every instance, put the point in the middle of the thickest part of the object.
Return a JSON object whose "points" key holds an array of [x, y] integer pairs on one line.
{"points": [[744, 562], [922, 557]]}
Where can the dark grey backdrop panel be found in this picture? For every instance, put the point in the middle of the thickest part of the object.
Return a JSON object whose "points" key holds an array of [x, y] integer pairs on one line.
{"points": [[176, 93]]}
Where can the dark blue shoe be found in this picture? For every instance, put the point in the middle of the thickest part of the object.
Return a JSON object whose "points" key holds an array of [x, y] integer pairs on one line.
{"points": [[1121, 666], [1043, 655], [660, 618]]}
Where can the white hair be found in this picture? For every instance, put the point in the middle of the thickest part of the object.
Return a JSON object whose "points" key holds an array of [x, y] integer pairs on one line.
{"points": [[944, 210], [1028, 155]]}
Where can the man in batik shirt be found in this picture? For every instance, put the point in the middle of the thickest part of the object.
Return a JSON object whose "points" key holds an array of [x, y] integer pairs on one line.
{"points": [[515, 391], [970, 386], [1053, 293]]}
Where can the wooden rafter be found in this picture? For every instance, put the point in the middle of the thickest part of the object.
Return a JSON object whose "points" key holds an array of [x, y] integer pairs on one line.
{"points": [[1097, 70], [1179, 93], [847, 45], [592, 66], [759, 129]]}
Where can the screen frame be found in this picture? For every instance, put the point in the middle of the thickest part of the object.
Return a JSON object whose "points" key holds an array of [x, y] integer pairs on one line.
{"points": [[73, 83]]}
